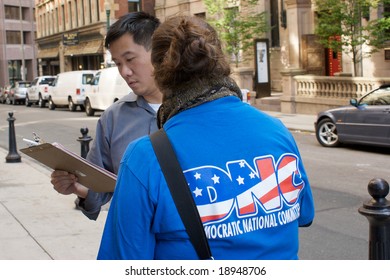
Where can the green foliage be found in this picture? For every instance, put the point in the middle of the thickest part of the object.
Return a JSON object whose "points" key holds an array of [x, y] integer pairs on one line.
{"points": [[237, 31], [343, 19]]}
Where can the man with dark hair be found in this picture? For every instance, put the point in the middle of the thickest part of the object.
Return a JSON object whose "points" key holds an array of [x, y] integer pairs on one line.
{"points": [[129, 42]]}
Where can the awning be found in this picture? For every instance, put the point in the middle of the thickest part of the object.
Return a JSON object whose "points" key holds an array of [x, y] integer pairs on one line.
{"points": [[48, 53], [91, 47], [94, 47]]}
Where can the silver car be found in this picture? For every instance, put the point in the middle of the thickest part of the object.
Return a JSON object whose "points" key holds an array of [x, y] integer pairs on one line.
{"points": [[366, 121], [17, 93]]}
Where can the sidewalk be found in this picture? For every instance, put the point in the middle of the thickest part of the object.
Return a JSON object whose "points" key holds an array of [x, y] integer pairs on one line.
{"points": [[36, 223], [296, 121]]}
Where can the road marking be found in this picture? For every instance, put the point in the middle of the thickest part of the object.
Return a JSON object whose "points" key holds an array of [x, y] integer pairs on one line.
{"points": [[50, 121]]}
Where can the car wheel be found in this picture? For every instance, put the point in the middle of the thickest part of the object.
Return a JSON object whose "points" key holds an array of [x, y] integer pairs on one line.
{"points": [[27, 102], [88, 108], [41, 102], [52, 106], [71, 105], [326, 133]]}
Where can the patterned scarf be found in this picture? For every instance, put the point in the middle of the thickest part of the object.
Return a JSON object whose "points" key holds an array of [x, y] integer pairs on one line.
{"points": [[183, 97]]}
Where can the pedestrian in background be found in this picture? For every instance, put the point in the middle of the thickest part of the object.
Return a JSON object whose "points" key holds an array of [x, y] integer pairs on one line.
{"points": [[129, 42], [242, 166]]}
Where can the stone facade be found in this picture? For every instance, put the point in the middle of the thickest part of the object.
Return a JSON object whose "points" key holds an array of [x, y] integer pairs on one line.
{"points": [[296, 50]]}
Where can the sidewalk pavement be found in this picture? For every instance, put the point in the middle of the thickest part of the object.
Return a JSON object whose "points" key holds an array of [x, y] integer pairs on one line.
{"points": [[37, 223]]}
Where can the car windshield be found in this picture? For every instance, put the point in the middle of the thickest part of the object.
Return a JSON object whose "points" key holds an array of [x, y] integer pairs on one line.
{"points": [[24, 85], [87, 78], [47, 81], [380, 96]]}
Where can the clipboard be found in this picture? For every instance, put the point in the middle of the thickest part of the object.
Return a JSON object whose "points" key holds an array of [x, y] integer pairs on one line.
{"points": [[56, 156]]}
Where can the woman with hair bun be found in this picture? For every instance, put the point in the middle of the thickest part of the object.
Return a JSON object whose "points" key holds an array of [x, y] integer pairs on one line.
{"points": [[242, 166]]}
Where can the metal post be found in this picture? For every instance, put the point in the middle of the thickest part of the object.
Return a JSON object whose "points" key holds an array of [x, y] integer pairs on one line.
{"points": [[84, 141], [377, 211], [108, 18], [13, 155], [107, 7]]}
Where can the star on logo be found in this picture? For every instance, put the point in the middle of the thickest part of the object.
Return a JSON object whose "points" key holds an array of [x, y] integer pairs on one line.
{"points": [[240, 180], [215, 179], [197, 176], [242, 164], [197, 192], [252, 175]]}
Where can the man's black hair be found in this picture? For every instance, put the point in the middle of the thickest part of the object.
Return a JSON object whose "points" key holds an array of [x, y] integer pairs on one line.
{"points": [[140, 25]]}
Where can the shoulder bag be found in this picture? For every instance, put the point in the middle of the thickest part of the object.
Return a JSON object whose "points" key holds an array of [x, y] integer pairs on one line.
{"points": [[181, 193]]}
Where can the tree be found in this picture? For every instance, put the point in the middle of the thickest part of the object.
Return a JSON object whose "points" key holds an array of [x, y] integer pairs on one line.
{"points": [[237, 29], [345, 25]]}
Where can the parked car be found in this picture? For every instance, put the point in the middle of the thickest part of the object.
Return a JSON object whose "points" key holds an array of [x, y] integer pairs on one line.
{"points": [[38, 92], [17, 93], [4, 93], [2, 97], [366, 121], [69, 89], [107, 87]]}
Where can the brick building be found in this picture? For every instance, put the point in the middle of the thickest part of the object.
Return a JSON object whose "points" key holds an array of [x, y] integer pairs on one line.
{"points": [[70, 33]]}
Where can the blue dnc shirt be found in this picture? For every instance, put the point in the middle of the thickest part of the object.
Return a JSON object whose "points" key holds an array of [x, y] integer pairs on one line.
{"points": [[247, 179]]}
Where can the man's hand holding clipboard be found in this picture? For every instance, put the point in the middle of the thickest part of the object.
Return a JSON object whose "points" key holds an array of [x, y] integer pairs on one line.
{"points": [[57, 157]]}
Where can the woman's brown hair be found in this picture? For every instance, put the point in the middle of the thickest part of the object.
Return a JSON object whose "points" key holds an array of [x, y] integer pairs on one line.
{"points": [[185, 50]]}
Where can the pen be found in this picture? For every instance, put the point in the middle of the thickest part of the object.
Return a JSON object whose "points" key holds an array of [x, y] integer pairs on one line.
{"points": [[30, 142]]}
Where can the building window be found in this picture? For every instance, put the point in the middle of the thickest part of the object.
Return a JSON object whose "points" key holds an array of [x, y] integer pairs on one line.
{"points": [[70, 16], [63, 17], [90, 11], [46, 24], [82, 13], [40, 25], [133, 6], [13, 37], [57, 23], [26, 14], [12, 12], [275, 40], [53, 21], [50, 19], [97, 11], [76, 12], [14, 67]]}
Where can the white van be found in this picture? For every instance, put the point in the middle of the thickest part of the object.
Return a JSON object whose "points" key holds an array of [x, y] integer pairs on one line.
{"points": [[68, 89], [107, 87]]}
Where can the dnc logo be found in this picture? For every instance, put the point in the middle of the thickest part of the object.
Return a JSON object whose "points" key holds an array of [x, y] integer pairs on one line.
{"points": [[243, 190]]}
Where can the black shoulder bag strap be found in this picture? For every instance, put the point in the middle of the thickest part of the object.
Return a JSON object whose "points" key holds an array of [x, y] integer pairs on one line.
{"points": [[180, 192]]}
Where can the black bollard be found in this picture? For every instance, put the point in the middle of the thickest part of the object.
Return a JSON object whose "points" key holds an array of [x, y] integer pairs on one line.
{"points": [[377, 211], [13, 155], [84, 141]]}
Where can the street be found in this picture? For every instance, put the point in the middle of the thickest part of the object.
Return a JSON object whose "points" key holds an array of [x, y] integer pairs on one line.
{"points": [[338, 176], [59, 125], [339, 179]]}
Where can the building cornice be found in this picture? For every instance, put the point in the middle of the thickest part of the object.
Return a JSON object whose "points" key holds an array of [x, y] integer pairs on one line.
{"points": [[95, 30]]}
